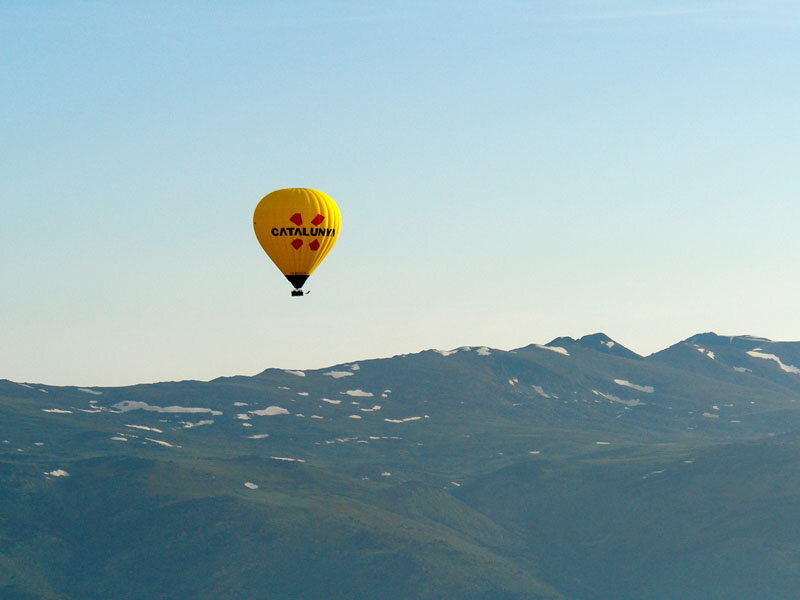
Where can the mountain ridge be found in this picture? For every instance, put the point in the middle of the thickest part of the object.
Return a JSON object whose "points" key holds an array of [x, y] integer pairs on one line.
{"points": [[596, 341], [538, 472]]}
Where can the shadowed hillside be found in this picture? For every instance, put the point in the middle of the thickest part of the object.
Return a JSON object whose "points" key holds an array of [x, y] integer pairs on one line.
{"points": [[575, 470]]}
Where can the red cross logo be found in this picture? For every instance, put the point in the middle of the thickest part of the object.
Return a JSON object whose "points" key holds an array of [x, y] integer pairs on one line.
{"points": [[297, 219]]}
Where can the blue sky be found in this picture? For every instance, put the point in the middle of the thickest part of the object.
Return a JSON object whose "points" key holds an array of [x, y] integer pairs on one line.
{"points": [[507, 172]]}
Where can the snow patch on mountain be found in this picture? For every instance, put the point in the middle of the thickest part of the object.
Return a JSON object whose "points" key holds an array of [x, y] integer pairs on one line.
{"points": [[90, 391], [539, 390], [406, 420], [189, 425], [649, 389], [57, 473], [339, 374], [359, 393], [708, 353], [659, 472], [270, 411], [787, 368], [145, 428], [298, 373], [446, 352], [129, 405], [162, 443], [613, 398], [557, 349]]}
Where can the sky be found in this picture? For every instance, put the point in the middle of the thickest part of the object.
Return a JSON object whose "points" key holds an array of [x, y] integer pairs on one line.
{"points": [[507, 172]]}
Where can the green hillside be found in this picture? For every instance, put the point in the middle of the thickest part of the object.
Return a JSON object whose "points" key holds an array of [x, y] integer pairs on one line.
{"points": [[575, 470]]}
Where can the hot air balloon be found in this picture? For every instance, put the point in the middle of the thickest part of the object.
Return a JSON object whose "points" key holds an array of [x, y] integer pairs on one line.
{"points": [[297, 227]]}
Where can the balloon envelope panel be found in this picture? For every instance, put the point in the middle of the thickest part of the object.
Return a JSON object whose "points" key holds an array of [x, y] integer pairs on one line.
{"points": [[297, 227]]}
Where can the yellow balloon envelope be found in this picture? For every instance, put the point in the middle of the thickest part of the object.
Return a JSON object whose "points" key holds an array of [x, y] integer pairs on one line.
{"points": [[297, 227]]}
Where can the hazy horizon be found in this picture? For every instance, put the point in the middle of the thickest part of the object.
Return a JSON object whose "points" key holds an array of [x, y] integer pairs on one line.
{"points": [[355, 360]]}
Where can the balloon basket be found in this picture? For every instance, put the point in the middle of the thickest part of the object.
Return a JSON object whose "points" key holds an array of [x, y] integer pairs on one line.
{"points": [[297, 292]]}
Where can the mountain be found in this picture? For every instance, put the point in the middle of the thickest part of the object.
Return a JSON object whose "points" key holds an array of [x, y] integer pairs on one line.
{"points": [[576, 469], [738, 358], [598, 342], [720, 522]]}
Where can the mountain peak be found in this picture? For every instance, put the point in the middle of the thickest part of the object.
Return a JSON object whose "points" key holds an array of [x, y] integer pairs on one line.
{"points": [[560, 341], [598, 338], [599, 342], [602, 343], [711, 338]]}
